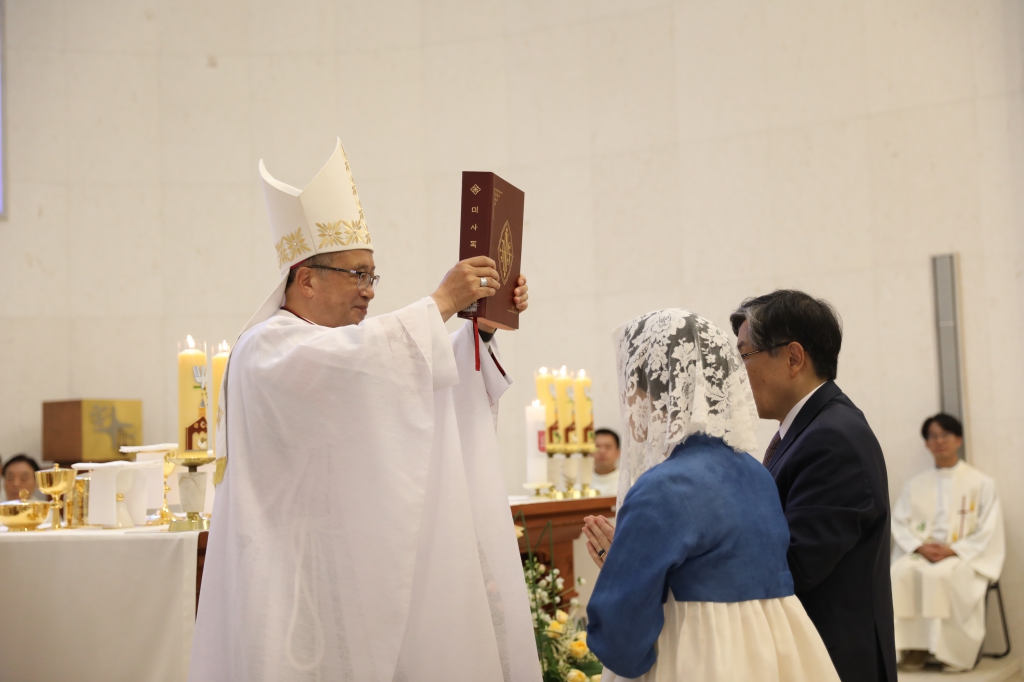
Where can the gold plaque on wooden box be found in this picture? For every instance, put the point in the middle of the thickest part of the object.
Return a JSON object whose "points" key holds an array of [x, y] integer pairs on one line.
{"points": [[90, 430]]}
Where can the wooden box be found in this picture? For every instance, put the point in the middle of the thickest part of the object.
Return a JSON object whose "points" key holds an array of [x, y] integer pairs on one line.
{"points": [[90, 430]]}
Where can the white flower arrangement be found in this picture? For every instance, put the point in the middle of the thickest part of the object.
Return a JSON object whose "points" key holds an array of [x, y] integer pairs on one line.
{"points": [[561, 636]]}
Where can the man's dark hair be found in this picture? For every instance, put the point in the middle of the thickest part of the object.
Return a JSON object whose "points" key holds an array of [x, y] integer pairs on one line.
{"points": [[609, 432], [20, 457], [316, 259], [785, 316], [946, 422]]}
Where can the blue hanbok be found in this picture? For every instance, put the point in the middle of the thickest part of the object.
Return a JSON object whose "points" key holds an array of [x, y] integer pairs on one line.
{"points": [[695, 585]]}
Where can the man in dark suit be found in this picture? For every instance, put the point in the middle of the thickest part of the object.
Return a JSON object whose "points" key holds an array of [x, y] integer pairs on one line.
{"points": [[831, 477]]}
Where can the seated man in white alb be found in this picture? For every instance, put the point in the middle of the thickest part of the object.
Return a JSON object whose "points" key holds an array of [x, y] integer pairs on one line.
{"points": [[606, 462], [948, 529]]}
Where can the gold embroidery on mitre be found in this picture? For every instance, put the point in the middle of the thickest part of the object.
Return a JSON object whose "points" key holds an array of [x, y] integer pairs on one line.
{"points": [[330, 235], [355, 232], [296, 243], [505, 252], [283, 253]]}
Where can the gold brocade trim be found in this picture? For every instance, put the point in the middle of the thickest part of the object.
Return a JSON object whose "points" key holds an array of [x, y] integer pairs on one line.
{"points": [[220, 466], [291, 246], [505, 252]]}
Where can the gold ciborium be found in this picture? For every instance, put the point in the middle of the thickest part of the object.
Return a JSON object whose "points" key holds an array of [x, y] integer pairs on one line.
{"points": [[55, 482], [191, 489], [25, 514]]}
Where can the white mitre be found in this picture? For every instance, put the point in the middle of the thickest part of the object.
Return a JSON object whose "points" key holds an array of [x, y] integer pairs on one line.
{"points": [[326, 216]]}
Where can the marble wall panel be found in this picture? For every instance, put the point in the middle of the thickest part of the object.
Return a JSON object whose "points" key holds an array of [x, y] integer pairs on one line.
{"points": [[113, 122], [917, 53], [631, 77], [813, 61], [465, 109], [35, 111], [112, 26], [719, 67], [924, 181], [37, 262], [380, 94], [455, 21], [114, 246], [292, 27], [198, 27], [205, 252], [549, 103], [37, 24], [204, 102], [384, 24], [998, 46], [36, 366], [294, 116]]}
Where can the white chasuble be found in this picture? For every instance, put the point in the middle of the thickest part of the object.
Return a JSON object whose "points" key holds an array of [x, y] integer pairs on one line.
{"points": [[356, 533], [940, 607]]}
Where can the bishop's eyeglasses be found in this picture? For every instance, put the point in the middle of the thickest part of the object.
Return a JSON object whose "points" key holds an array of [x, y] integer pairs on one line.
{"points": [[364, 281]]}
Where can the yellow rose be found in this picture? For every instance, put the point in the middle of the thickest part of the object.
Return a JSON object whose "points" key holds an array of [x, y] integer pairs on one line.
{"points": [[578, 649], [561, 616], [595, 678], [555, 629], [575, 676], [581, 636]]}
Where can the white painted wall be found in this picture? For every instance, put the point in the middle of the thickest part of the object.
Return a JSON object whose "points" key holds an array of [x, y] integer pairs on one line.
{"points": [[685, 153]]}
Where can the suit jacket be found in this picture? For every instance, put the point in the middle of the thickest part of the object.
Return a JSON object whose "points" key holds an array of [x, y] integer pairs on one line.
{"points": [[835, 493]]}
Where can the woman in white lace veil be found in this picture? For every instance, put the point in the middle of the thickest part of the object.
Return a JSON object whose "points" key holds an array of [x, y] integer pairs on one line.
{"points": [[679, 374], [695, 585]]}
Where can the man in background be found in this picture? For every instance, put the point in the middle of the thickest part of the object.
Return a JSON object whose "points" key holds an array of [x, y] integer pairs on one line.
{"points": [[828, 467], [948, 528], [20, 474], [606, 462]]}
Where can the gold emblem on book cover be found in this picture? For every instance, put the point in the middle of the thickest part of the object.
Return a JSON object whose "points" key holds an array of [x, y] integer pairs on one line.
{"points": [[475, 189], [505, 253]]}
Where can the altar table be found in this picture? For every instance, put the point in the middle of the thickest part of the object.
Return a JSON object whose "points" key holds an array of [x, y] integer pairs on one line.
{"points": [[566, 517], [104, 605]]}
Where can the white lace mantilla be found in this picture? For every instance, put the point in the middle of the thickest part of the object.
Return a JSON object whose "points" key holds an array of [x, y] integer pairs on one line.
{"points": [[679, 374]]}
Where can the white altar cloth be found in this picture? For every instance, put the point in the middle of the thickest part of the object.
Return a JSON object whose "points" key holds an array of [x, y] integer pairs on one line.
{"points": [[98, 605]]}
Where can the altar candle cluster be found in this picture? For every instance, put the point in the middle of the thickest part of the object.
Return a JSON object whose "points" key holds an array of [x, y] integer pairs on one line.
{"points": [[569, 413], [192, 430]]}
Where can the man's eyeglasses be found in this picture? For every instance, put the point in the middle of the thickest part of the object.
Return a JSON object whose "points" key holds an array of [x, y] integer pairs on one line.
{"points": [[744, 356], [365, 280]]}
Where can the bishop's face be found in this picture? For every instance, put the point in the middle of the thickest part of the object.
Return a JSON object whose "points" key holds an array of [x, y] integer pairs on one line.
{"points": [[337, 299]]}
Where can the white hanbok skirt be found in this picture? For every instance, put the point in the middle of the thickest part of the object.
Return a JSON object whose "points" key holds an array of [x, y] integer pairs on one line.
{"points": [[765, 640]]}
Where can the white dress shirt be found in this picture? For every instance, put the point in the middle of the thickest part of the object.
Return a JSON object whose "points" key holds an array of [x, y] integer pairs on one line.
{"points": [[788, 421]]}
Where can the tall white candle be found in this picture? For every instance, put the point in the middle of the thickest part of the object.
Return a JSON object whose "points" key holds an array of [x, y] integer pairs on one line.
{"points": [[536, 456]]}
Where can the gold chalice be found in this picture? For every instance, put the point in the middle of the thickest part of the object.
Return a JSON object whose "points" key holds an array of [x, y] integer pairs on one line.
{"points": [[25, 514], [55, 482], [164, 515], [191, 489]]}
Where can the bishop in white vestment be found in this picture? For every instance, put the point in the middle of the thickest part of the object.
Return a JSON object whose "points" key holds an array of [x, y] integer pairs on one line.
{"points": [[948, 530], [361, 531]]}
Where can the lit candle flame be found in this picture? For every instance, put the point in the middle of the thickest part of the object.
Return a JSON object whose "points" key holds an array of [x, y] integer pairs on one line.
{"points": [[543, 370], [563, 370], [536, 403], [191, 341], [583, 374], [224, 347]]}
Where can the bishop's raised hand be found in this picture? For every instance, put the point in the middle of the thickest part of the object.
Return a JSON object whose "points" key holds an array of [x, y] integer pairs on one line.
{"points": [[470, 280]]}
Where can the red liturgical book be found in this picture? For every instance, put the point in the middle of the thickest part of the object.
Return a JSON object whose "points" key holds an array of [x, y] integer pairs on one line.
{"points": [[492, 225]]}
